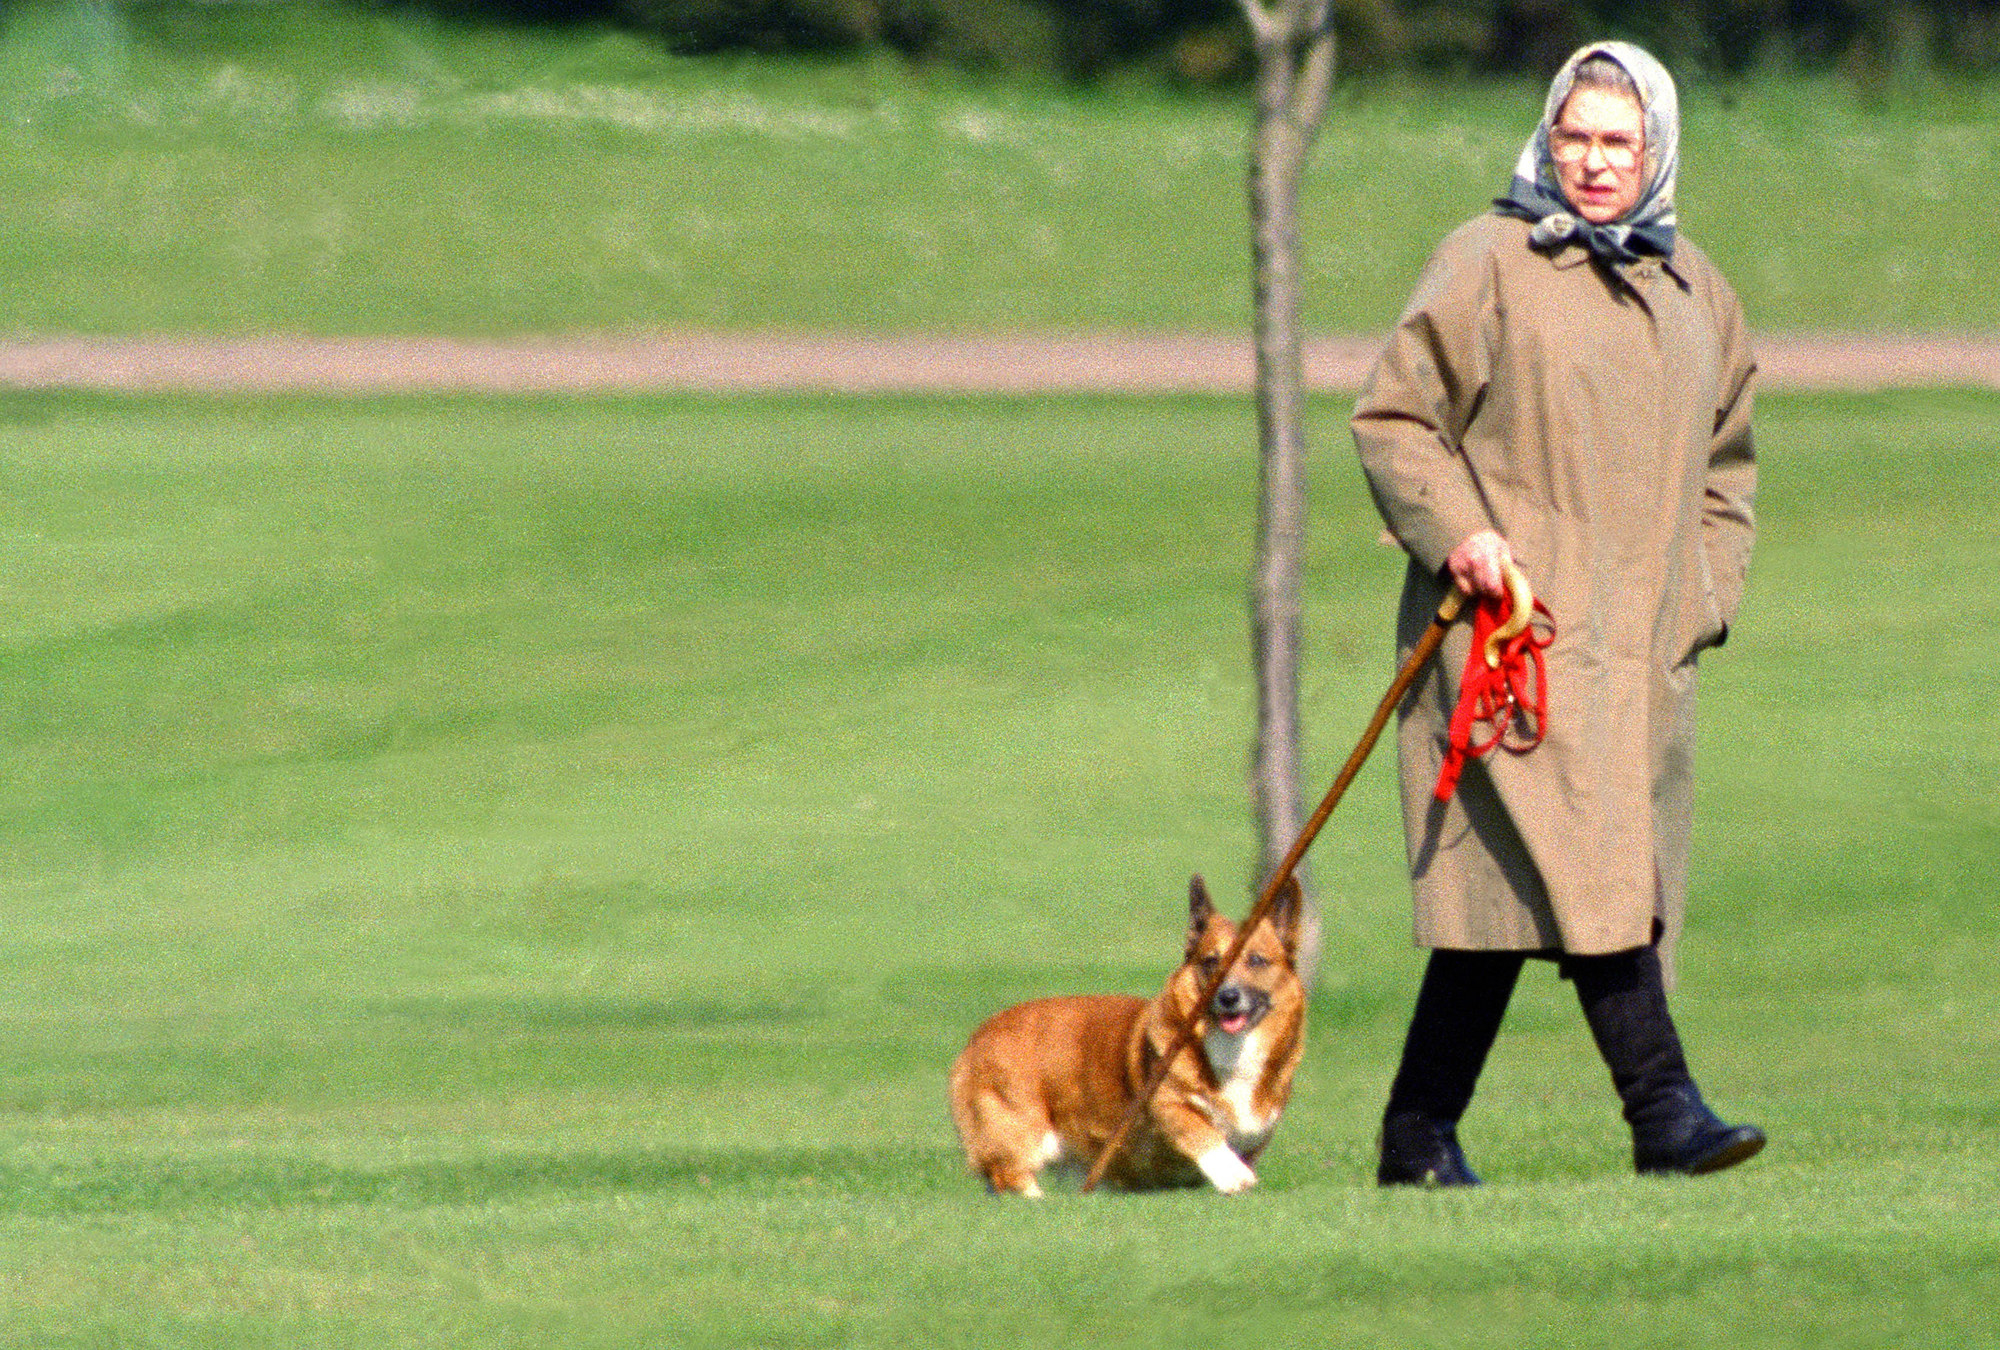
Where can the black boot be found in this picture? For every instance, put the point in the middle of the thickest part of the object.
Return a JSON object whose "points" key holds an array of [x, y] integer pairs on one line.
{"points": [[1459, 1009], [1673, 1131], [1420, 1150]]}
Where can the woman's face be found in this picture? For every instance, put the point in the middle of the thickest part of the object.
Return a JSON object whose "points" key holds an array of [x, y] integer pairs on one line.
{"points": [[1598, 142]]}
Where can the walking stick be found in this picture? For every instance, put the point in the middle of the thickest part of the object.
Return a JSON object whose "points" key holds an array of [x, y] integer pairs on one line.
{"points": [[1427, 646]]}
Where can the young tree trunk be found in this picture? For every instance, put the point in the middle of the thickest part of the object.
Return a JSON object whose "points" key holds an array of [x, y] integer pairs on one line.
{"points": [[1295, 50]]}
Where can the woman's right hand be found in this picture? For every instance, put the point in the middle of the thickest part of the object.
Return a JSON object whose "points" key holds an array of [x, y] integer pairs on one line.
{"points": [[1479, 565]]}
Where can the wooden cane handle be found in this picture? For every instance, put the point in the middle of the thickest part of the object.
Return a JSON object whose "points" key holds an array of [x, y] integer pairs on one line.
{"points": [[1517, 620]]}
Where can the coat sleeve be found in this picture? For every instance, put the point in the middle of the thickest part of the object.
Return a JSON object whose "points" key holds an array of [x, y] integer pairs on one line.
{"points": [[1425, 388], [1729, 522]]}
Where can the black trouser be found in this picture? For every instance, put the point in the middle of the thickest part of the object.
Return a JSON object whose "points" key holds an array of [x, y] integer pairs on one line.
{"points": [[1464, 998], [1459, 1009]]}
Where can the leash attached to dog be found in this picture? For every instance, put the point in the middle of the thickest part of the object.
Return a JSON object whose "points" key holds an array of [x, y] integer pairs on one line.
{"points": [[1427, 645]]}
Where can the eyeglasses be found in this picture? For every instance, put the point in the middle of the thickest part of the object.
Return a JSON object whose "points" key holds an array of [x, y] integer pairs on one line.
{"points": [[1568, 147]]}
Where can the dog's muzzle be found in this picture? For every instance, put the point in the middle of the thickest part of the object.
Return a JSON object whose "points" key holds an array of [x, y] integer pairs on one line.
{"points": [[1236, 1008]]}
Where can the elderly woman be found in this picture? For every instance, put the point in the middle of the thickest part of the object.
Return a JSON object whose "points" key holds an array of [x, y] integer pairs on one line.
{"points": [[1569, 390]]}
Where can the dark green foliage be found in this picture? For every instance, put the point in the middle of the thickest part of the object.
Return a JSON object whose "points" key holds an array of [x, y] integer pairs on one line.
{"points": [[1206, 40], [1077, 38], [710, 25]]}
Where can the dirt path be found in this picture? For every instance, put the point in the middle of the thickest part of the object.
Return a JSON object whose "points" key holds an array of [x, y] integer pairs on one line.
{"points": [[805, 362]]}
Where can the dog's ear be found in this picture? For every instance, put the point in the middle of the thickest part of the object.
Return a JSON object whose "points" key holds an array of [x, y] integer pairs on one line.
{"points": [[1287, 914], [1200, 909]]}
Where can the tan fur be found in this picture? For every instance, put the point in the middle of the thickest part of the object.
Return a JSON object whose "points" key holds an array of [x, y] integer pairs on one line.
{"points": [[1051, 1080]]}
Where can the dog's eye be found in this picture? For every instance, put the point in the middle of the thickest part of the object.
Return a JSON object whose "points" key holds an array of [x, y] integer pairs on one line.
{"points": [[1208, 962], [1256, 962]]}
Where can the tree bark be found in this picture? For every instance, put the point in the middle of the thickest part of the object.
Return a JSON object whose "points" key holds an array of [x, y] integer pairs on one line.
{"points": [[1295, 50]]}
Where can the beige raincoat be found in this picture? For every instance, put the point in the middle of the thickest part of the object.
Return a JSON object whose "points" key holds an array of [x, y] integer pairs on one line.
{"points": [[1599, 419]]}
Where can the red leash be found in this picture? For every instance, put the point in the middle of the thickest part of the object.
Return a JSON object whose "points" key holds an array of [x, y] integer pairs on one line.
{"points": [[1504, 698]]}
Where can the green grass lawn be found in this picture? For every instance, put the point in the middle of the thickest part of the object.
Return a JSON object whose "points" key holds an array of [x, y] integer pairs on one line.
{"points": [[304, 168], [515, 873]]}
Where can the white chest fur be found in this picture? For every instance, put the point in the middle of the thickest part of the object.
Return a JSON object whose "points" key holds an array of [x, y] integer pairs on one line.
{"points": [[1238, 1063]]}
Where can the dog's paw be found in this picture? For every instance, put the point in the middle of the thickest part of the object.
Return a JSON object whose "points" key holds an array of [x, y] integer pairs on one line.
{"points": [[1225, 1171]]}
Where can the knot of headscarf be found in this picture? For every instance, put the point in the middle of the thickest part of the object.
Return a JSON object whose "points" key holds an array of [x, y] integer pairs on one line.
{"points": [[1536, 194]]}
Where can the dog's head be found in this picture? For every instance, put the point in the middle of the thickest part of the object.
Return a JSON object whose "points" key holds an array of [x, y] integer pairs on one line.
{"points": [[1262, 977]]}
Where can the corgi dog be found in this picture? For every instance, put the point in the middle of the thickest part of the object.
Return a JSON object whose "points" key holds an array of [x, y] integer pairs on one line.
{"points": [[1050, 1081]]}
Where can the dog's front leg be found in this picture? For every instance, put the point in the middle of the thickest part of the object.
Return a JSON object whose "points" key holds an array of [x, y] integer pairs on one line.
{"points": [[1195, 1135], [1224, 1170]]}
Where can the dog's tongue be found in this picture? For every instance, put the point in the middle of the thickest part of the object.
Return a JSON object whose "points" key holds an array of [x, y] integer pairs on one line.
{"points": [[1234, 1023]]}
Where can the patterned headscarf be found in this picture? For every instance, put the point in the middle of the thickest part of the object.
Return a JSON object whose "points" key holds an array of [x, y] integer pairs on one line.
{"points": [[1536, 192]]}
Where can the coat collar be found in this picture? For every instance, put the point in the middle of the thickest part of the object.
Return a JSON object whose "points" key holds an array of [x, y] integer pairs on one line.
{"points": [[1572, 254]]}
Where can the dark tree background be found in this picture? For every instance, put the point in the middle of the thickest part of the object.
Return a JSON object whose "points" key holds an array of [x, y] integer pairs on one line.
{"points": [[1208, 41]]}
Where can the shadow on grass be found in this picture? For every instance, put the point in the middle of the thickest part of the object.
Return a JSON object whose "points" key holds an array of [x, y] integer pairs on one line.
{"points": [[172, 1186], [516, 1016]]}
